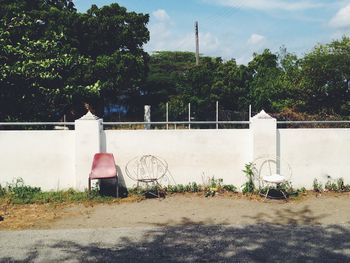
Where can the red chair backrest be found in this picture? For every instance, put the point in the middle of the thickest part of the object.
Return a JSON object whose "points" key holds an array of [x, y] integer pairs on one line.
{"points": [[103, 166]]}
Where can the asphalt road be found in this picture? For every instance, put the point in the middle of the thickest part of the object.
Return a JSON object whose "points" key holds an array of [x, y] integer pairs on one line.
{"points": [[186, 243]]}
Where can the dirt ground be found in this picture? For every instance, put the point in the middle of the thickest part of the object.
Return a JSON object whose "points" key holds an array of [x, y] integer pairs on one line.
{"points": [[325, 209]]}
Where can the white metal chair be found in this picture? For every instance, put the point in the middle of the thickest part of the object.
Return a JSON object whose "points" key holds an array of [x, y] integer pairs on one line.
{"points": [[147, 170], [272, 171]]}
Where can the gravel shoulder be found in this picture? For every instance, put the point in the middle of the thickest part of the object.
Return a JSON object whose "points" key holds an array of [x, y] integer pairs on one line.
{"points": [[193, 209], [188, 228], [325, 209]]}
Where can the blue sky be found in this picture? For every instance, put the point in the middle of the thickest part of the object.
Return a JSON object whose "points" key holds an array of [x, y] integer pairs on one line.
{"points": [[237, 28]]}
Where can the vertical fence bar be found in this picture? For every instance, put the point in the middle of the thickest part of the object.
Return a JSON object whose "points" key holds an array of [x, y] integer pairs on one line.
{"points": [[167, 116], [217, 115], [64, 120], [189, 116], [250, 112]]}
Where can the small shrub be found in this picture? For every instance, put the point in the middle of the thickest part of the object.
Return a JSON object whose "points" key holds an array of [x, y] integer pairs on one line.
{"points": [[249, 186], [212, 187], [337, 186], [193, 188], [331, 186], [22, 194], [19, 193], [301, 190], [230, 188], [189, 188], [3, 191], [341, 186], [286, 187], [317, 186], [181, 188], [172, 189]]}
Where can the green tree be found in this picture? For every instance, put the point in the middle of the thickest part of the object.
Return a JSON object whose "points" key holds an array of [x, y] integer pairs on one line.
{"points": [[275, 81], [100, 51], [35, 74], [326, 78], [231, 85]]}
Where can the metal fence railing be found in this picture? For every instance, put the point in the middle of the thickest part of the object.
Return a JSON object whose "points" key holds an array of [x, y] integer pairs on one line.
{"points": [[37, 125], [167, 125], [126, 125], [313, 124], [180, 124]]}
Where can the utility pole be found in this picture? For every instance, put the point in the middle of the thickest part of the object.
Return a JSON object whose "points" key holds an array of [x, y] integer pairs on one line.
{"points": [[197, 42]]}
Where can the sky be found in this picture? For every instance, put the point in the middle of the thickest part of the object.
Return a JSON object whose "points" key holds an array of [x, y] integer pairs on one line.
{"points": [[238, 28]]}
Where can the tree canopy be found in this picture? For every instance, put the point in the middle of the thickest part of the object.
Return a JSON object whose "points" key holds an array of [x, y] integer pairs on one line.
{"points": [[317, 83], [55, 60]]}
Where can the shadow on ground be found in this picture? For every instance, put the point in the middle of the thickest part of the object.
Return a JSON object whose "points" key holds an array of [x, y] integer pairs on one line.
{"points": [[288, 216], [302, 240]]}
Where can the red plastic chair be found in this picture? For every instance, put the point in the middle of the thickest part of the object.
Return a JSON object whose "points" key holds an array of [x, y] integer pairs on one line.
{"points": [[103, 167]]}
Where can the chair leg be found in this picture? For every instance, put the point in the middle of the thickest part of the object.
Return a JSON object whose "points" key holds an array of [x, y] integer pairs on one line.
{"points": [[267, 192], [284, 195]]}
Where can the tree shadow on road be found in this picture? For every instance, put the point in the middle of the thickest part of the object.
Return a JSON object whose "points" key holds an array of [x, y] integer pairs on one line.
{"points": [[301, 240], [289, 216]]}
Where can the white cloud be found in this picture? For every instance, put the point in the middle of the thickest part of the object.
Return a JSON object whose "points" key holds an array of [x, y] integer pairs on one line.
{"points": [[161, 15], [265, 5], [342, 18], [209, 44], [244, 59], [256, 39], [160, 24], [163, 36]]}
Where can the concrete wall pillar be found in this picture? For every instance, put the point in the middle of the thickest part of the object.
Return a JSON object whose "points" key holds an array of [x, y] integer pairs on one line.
{"points": [[88, 131], [264, 135]]}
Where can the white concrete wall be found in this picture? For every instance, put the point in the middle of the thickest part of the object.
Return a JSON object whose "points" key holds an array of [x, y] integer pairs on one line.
{"points": [[315, 153], [41, 158], [62, 159], [189, 153]]}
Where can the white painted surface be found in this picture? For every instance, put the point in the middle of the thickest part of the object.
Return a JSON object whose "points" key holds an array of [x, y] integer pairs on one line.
{"points": [[190, 154], [41, 158], [88, 131], [315, 153], [264, 135]]}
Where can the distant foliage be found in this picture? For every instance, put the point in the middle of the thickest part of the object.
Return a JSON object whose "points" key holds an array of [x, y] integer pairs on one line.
{"points": [[313, 87]]}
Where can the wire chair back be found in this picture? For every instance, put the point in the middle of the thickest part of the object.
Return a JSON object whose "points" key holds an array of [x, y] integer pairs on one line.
{"points": [[146, 168]]}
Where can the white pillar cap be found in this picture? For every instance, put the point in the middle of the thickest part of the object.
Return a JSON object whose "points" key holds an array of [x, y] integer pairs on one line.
{"points": [[262, 115], [89, 117]]}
